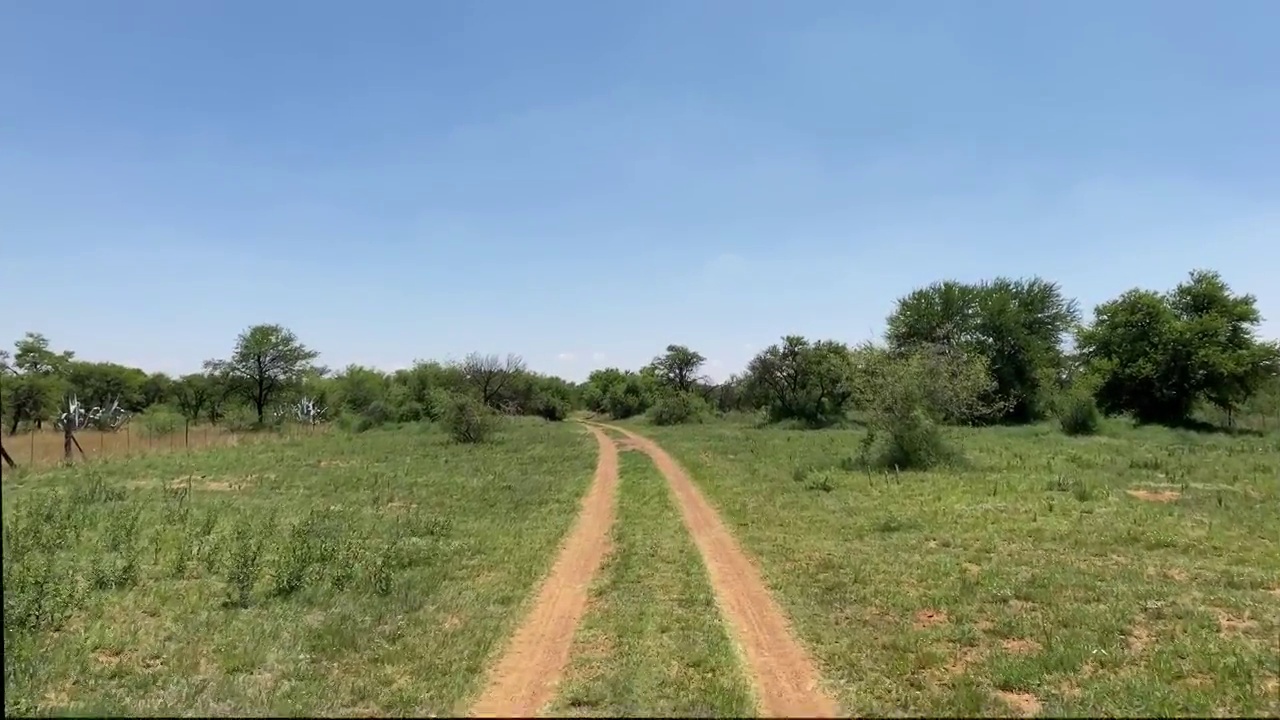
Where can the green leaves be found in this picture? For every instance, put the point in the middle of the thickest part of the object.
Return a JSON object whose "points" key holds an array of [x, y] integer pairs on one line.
{"points": [[1156, 355]]}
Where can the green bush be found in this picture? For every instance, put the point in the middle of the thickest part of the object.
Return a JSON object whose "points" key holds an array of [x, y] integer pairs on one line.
{"points": [[678, 409], [551, 408], [375, 414], [437, 404], [908, 441], [411, 411], [160, 420], [240, 419], [628, 398], [467, 420], [1078, 415]]}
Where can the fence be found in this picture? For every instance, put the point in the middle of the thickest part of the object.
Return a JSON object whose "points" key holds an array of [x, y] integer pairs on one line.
{"points": [[44, 448]]}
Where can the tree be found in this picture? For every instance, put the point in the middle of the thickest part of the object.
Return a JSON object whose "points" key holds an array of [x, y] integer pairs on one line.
{"points": [[1156, 355], [267, 360], [596, 389], [908, 394], [100, 384], [32, 395], [487, 375], [32, 355], [632, 396], [802, 380], [360, 388], [1017, 326], [677, 370], [156, 388], [192, 394]]}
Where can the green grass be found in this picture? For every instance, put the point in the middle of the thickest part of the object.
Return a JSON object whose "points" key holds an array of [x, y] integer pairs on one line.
{"points": [[330, 575], [1028, 580], [652, 643]]}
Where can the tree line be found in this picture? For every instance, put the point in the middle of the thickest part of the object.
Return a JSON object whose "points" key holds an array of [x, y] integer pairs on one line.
{"points": [[997, 351], [268, 370]]}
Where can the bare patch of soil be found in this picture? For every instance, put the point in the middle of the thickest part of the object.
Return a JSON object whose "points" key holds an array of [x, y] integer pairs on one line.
{"points": [[930, 618], [1020, 646], [1156, 496], [1024, 704]]}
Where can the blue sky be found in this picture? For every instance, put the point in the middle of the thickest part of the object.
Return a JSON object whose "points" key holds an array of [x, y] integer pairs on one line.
{"points": [[586, 182]]}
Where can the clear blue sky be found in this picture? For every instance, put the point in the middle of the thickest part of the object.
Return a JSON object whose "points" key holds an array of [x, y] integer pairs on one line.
{"points": [[585, 182]]}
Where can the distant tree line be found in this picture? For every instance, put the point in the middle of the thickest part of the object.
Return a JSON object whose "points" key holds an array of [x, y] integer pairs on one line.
{"points": [[269, 370], [1000, 351]]}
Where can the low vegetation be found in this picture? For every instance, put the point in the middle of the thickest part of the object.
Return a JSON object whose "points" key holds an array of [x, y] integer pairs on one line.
{"points": [[1132, 573], [304, 576]]}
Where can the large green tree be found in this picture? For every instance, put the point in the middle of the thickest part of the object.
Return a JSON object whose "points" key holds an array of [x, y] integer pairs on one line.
{"points": [[1157, 354], [267, 360], [677, 368], [35, 380], [1016, 326]]}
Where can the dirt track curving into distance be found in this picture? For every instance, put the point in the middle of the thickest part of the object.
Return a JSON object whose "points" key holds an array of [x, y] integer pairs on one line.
{"points": [[785, 678], [524, 678]]}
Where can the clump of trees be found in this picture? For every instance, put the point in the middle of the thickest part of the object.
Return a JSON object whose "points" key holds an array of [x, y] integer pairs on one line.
{"points": [[1157, 355]]}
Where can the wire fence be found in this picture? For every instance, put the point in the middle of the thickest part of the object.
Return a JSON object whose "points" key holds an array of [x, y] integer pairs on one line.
{"points": [[44, 448]]}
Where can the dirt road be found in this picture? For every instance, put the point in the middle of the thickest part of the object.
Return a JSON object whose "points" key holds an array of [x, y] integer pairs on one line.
{"points": [[524, 678], [785, 678]]}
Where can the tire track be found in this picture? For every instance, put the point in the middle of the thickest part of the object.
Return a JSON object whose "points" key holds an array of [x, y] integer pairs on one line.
{"points": [[524, 678], [785, 678]]}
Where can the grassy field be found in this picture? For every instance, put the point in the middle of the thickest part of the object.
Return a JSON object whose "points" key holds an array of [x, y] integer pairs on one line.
{"points": [[1133, 573], [652, 643], [334, 575]]}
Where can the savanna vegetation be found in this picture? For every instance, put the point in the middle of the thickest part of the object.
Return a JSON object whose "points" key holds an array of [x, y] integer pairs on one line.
{"points": [[1001, 507]]}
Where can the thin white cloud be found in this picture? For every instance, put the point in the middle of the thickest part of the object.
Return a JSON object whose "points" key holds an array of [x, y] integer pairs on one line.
{"points": [[566, 357], [598, 356]]}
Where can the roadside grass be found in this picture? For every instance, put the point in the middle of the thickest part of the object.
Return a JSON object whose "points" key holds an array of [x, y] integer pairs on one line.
{"points": [[1134, 573], [327, 575], [652, 643]]}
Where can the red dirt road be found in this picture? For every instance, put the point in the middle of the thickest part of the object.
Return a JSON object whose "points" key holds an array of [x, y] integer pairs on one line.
{"points": [[524, 678], [785, 678]]}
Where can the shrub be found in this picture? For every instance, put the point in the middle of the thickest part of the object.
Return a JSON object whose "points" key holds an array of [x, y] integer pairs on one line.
{"points": [[244, 563], [411, 411], [1078, 415], [909, 441], [240, 419], [376, 414], [467, 420], [437, 404], [678, 408], [628, 398], [551, 408], [160, 420]]}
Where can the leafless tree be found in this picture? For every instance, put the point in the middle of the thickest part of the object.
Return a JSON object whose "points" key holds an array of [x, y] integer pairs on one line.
{"points": [[489, 374]]}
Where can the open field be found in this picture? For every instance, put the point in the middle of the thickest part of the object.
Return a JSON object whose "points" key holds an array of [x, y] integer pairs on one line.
{"points": [[392, 572], [1134, 573], [380, 573]]}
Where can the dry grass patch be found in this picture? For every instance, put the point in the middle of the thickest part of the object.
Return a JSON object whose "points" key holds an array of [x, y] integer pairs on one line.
{"points": [[1156, 496]]}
